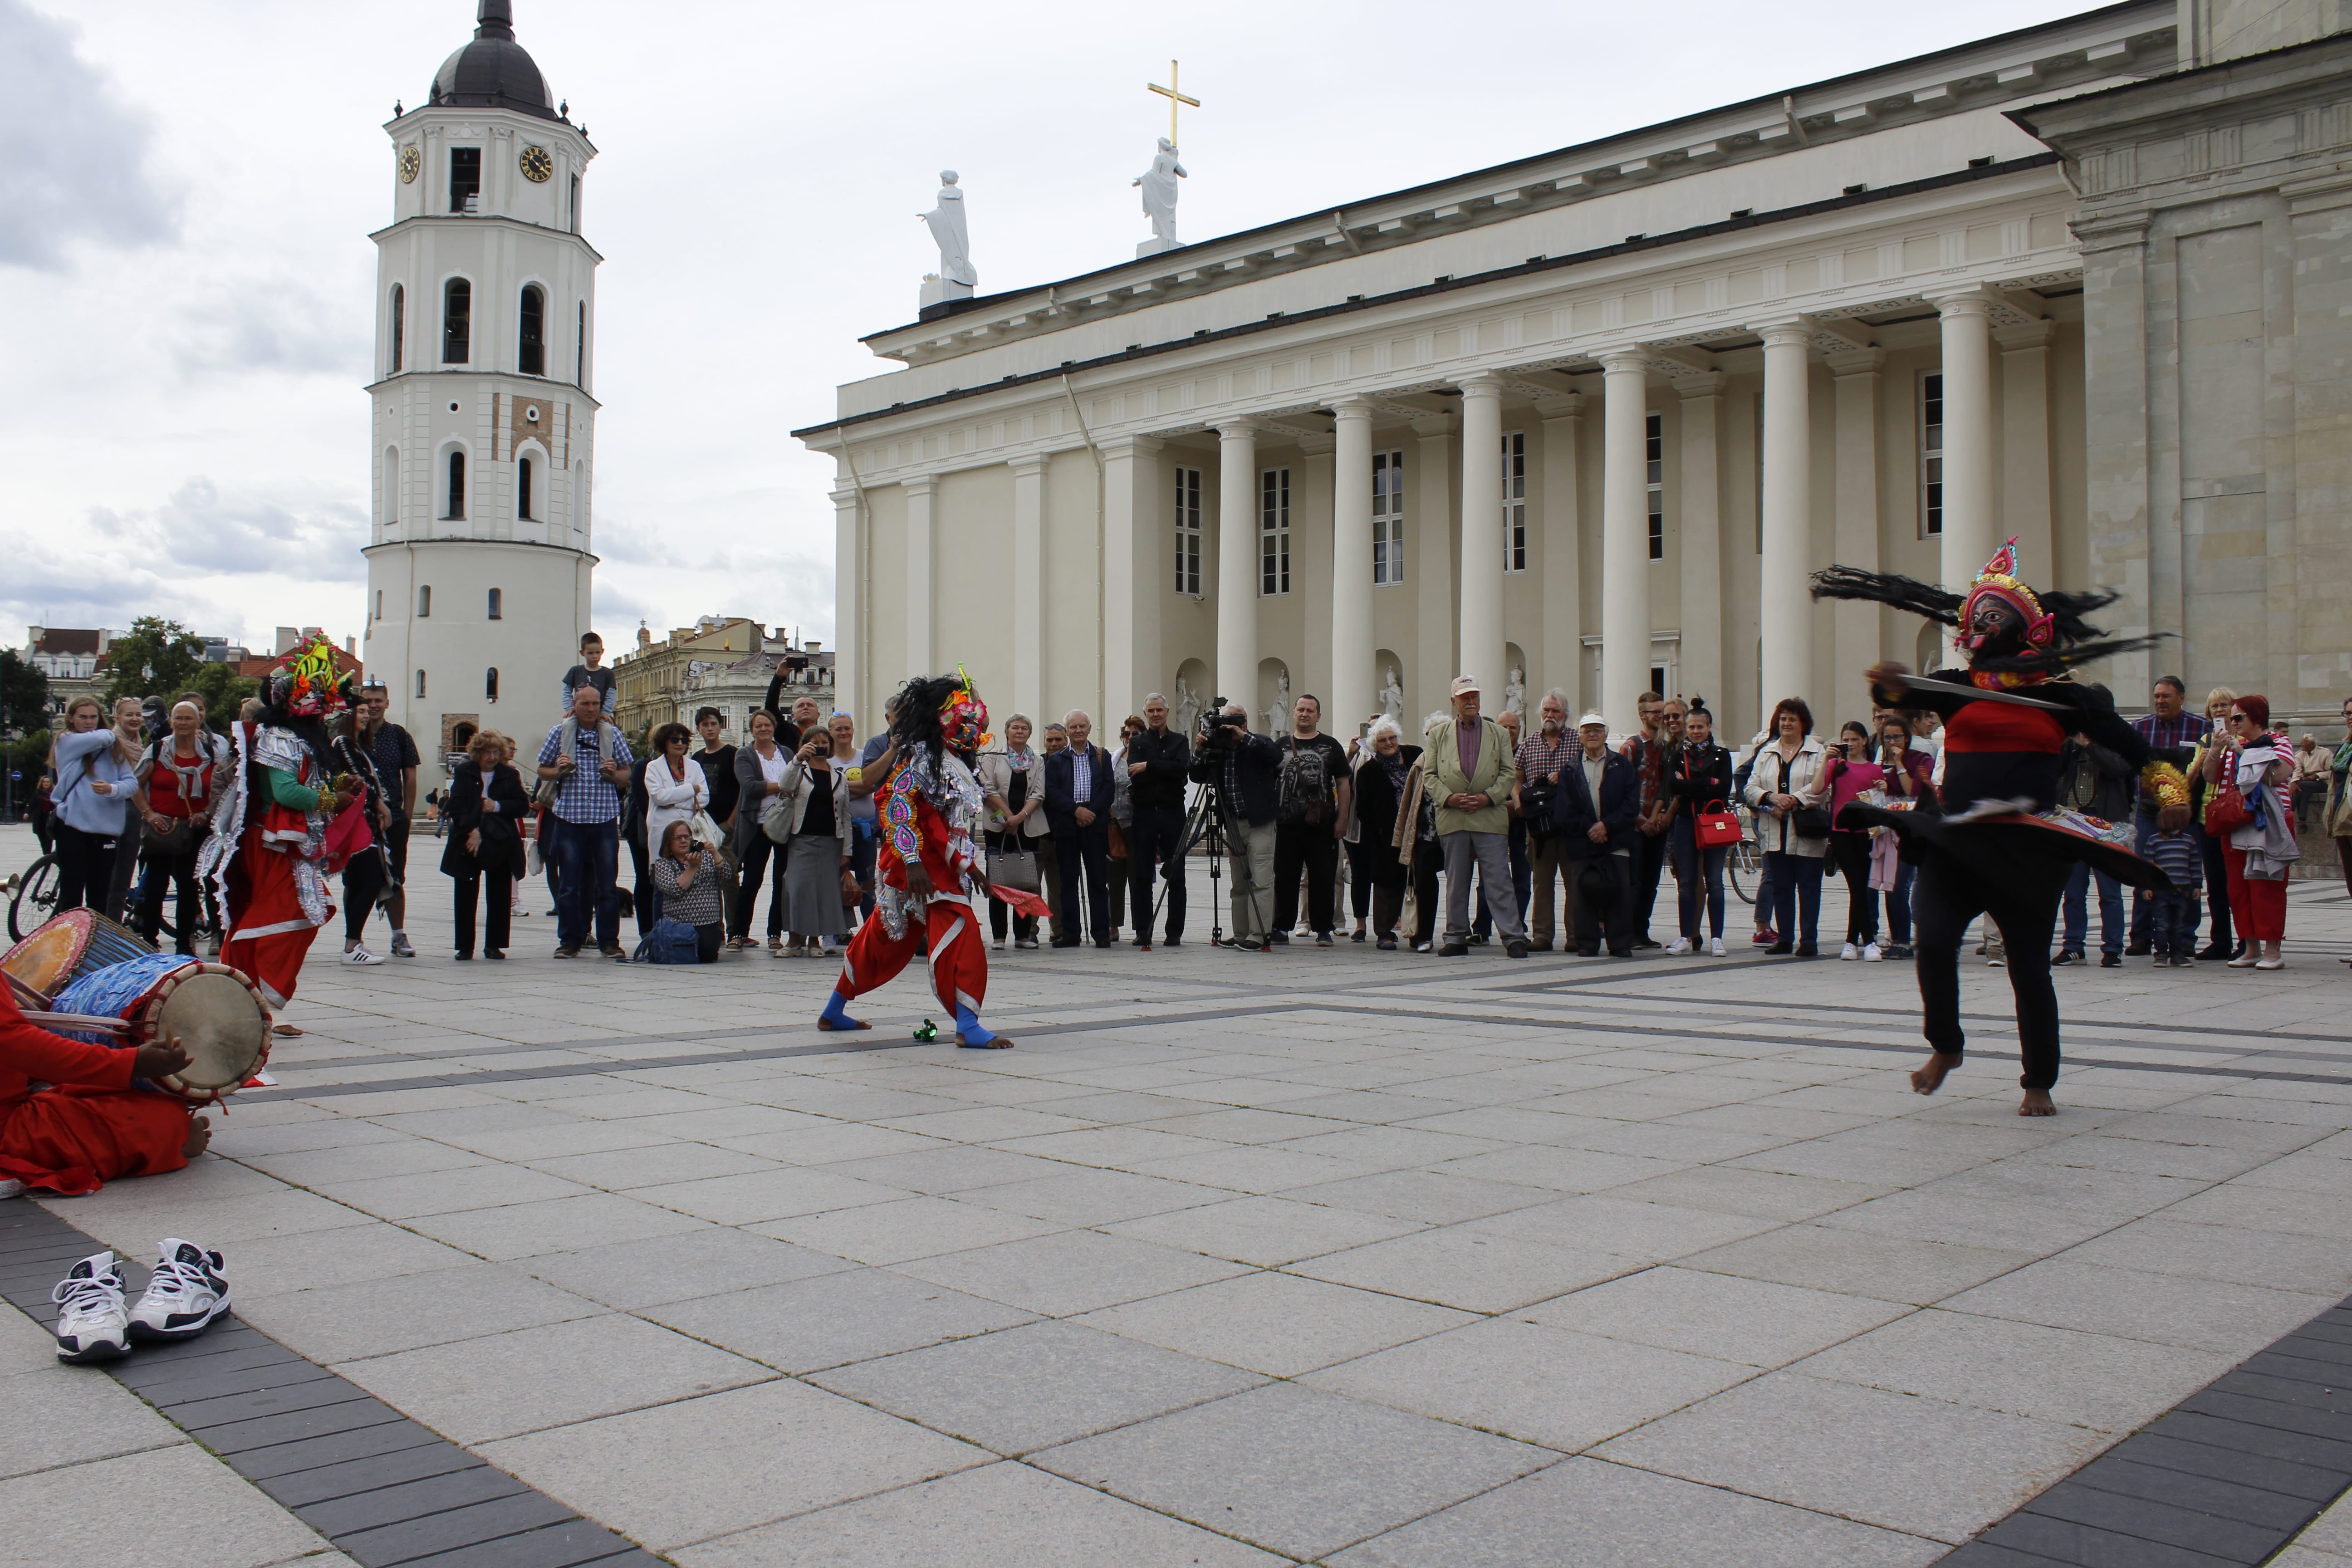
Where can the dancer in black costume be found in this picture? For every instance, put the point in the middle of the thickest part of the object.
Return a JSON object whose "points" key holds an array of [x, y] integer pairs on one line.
{"points": [[2001, 846]]}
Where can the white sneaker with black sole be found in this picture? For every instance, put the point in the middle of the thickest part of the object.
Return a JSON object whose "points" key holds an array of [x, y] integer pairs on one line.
{"points": [[187, 1291], [92, 1324], [360, 956]]}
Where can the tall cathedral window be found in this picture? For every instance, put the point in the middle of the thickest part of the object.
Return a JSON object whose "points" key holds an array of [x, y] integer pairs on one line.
{"points": [[399, 324], [1274, 532], [1188, 532], [465, 176], [522, 489], [456, 486], [1388, 519], [530, 357], [1931, 456], [1654, 477], [457, 322], [1515, 501]]}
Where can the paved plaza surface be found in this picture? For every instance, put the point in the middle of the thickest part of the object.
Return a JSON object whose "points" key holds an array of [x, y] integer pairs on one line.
{"points": [[1337, 1256]]}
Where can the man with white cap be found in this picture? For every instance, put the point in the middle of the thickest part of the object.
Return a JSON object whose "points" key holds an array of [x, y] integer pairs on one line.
{"points": [[1598, 805], [1471, 775]]}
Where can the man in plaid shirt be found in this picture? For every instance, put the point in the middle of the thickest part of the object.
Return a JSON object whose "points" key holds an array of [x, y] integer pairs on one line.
{"points": [[2168, 722], [1541, 756], [586, 823]]}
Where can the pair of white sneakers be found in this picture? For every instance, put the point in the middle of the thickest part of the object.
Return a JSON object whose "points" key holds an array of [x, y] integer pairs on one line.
{"points": [[185, 1295]]}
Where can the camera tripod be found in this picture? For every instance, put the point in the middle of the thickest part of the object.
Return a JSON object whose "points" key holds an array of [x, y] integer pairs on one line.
{"points": [[1204, 825]]}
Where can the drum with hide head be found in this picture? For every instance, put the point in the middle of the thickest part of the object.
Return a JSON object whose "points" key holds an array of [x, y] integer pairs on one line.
{"points": [[70, 945], [216, 1012]]}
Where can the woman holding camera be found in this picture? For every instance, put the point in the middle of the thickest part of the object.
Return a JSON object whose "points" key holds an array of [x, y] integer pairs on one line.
{"points": [[759, 775], [1852, 774], [817, 851], [685, 875]]}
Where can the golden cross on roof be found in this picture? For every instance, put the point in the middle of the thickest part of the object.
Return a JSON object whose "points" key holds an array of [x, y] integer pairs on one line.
{"points": [[1174, 98]]}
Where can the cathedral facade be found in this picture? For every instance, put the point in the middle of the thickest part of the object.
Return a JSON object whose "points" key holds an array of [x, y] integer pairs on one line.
{"points": [[1589, 420], [483, 427]]}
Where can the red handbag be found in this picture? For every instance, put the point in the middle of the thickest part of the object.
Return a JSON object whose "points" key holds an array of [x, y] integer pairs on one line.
{"points": [[2227, 812], [1716, 828]]}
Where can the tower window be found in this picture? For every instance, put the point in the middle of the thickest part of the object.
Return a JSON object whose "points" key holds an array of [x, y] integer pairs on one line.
{"points": [[424, 600], [522, 492], [420, 683], [1388, 519], [1274, 532], [457, 322], [1654, 478], [491, 684], [464, 178], [399, 324], [575, 204], [497, 604], [580, 351], [456, 486], [1188, 532], [531, 356], [1515, 501], [379, 604]]}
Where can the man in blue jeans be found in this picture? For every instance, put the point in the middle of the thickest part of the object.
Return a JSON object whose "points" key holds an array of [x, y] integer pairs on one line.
{"points": [[589, 763], [2095, 780]]}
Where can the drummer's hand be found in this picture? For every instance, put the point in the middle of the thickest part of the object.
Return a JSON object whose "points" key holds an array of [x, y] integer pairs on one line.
{"points": [[2172, 819], [158, 1061], [1888, 674]]}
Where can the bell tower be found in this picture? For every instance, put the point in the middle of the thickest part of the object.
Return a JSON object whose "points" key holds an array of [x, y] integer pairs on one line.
{"points": [[483, 424]]}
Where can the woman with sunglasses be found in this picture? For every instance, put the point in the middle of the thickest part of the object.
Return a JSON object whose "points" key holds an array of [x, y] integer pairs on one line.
{"points": [[2257, 855]]}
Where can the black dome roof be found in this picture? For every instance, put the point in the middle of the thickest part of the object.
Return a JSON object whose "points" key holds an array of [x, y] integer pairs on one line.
{"points": [[493, 71]]}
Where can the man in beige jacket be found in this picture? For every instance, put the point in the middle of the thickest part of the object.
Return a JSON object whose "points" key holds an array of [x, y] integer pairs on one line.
{"points": [[1471, 772]]}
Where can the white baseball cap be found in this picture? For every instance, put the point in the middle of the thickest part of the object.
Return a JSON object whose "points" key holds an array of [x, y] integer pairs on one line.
{"points": [[1592, 719]]}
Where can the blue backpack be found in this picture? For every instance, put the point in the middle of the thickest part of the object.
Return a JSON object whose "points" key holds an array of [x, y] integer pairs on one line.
{"points": [[670, 942]]}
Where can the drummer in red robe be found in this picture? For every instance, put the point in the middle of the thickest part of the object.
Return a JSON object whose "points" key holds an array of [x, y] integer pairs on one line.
{"points": [[69, 1119], [275, 838]]}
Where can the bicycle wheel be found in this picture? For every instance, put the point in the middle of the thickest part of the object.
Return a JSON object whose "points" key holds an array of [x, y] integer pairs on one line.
{"points": [[1744, 867], [36, 899]]}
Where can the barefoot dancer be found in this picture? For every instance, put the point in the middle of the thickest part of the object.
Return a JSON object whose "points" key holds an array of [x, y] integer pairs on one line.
{"points": [[927, 866], [87, 1125], [2004, 850]]}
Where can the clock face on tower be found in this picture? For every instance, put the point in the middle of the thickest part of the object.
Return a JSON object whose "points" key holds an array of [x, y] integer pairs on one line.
{"points": [[537, 165], [410, 162]]}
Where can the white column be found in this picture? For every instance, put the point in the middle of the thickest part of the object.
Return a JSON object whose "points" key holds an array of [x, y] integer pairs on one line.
{"points": [[1237, 580], [1854, 635], [1352, 646], [1028, 618], [921, 495], [2025, 441], [1132, 562], [1968, 436], [1702, 536], [1481, 657], [1562, 662], [1625, 536], [1430, 562], [1786, 617], [849, 606]]}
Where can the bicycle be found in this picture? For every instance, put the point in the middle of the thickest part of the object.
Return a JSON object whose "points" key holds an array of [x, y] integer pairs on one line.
{"points": [[35, 897], [1744, 867]]}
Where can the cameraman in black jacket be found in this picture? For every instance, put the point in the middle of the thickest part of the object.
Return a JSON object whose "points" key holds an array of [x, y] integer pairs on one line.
{"points": [[1248, 769], [1158, 762]]}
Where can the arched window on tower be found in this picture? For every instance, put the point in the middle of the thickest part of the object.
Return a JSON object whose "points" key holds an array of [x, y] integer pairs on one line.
{"points": [[420, 683], [497, 604], [399, 324], [522, 489], [491, 684], [531, 355], [424, 600], [456, 486], [457, 322]]}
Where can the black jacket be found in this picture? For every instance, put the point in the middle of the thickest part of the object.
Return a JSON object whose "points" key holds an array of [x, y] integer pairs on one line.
{"points": [[1167, 758], [2092, 778], [1376, 800], [1251, 770], [1699, 776], [1620, 806], [501, 829], [1061, 790]]}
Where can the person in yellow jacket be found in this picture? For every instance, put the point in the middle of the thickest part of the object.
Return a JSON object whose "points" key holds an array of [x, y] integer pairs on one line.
{"points": [[1471, 772]]}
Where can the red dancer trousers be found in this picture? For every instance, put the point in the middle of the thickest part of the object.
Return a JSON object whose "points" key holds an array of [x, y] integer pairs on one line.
{"points": [[958, 962]]}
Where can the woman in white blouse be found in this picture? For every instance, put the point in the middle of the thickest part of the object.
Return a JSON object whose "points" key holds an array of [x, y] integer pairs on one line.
{"points": [[759, 769], [675, 786]]}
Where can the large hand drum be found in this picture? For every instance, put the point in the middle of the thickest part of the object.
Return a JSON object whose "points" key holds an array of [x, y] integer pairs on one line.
{"points": [[215, 1014], [69, 946]]}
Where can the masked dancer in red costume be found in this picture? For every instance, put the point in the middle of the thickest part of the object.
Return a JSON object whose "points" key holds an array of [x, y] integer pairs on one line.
{"points": [[275, 837], [930, 807], [2001, 847], [70, 1120]]}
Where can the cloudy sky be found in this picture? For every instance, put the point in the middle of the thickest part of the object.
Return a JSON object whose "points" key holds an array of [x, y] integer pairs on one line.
{"points": [[186, 188]]}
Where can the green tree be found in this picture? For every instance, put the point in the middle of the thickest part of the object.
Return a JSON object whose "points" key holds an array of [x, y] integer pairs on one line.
{"points": [[224, 691], [155, 655], [24, 693]]}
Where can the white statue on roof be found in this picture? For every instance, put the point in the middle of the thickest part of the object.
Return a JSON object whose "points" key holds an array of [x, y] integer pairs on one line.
{"points": [[1158, 183], [956, 277]]}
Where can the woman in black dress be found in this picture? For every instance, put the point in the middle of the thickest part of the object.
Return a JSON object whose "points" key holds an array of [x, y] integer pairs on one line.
{"points": [[1383, 764], [487, 806]]}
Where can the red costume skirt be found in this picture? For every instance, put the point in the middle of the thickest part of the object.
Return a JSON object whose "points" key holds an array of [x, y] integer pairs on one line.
{"points": [[958, 962], [268, 934], [72, 1140]]}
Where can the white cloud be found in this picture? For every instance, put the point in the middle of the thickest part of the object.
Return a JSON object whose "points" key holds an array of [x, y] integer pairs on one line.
{"points": [[73, 157]]}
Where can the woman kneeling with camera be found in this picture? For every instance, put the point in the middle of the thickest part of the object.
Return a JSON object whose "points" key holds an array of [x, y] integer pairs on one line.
{"points": [[687, 874]]}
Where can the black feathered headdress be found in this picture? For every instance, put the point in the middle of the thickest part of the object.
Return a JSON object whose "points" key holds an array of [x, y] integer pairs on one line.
{"points": [[2059, 633]]}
